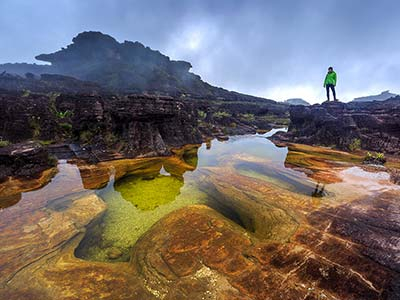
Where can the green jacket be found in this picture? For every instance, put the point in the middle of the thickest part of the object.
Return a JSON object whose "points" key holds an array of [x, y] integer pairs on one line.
{"points": [[330, 78]]}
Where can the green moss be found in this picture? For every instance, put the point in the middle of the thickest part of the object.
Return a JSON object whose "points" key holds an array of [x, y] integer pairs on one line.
{"points": [[124, 223], [45, 142]]}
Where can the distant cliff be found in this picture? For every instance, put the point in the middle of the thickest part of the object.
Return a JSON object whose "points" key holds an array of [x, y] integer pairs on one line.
{"points": [[127, 67], [369, 125], [296, 101], [385, 95]]}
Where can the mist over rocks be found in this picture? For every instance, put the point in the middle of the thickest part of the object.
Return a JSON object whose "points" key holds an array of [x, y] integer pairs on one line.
{"points": [[296, 101], [385, 95], [127, 67]]}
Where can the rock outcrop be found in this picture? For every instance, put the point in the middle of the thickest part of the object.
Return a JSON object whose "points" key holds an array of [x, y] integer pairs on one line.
{"points": [[100, 127], [47, 83], [24, 160], [372, 125]]}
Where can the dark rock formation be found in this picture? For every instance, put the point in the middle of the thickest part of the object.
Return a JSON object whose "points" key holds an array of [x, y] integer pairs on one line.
{"points": [[46, 83], [370, 125], [234, 118], [127, 67], [23, 160], [100, 127]]}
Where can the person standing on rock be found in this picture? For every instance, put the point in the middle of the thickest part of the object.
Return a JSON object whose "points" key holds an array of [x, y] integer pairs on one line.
{"points": [[330, 83]]}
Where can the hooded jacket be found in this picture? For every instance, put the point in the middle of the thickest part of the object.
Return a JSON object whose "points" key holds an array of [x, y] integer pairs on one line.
{"points": [[330, 78]]}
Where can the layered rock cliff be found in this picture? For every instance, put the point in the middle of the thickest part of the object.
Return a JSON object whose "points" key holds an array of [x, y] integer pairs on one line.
{"points": [[100, 127], [371, 125]]}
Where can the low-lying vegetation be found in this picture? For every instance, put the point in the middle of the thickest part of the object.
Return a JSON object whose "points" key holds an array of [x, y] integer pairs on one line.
{"points": [[376, 158]]}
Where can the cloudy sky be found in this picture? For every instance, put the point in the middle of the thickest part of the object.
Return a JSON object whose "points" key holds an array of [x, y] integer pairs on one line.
{"points": [[275, 49]]}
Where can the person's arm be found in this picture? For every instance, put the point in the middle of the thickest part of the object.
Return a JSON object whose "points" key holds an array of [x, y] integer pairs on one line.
{"points": [[335, 77], [326, 77]]}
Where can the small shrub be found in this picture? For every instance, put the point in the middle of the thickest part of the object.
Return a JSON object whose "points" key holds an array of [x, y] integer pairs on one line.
{"points": [[355, 145], [52, 160], [85, 136], [63, 115], [110, 139], [376, 158], [4, 143], [202, 114], [35, 125], [26, 93], [249, 117], [221, 114], [66, 126]]}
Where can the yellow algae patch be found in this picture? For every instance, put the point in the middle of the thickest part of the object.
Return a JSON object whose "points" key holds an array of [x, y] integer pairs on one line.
{"points": [[149, 193]]}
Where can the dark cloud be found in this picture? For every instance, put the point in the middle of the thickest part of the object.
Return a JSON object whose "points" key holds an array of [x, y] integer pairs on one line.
{"points": [[276, 49]]}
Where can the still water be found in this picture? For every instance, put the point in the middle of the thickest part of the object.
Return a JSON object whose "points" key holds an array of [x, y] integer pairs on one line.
{"points": [[245, 178]]}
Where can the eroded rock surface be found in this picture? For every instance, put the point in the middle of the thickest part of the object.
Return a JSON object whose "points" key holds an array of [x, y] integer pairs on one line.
{"points": [[376, 125], [266, 242], [100, 127]]}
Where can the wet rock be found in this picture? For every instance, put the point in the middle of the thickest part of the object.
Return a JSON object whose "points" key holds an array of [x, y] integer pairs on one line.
{"points": [[24, 160], [29, 234], [222, 138]]}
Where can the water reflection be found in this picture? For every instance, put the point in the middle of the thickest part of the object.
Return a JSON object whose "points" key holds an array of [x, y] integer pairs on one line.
{"points": [[248, 179]]}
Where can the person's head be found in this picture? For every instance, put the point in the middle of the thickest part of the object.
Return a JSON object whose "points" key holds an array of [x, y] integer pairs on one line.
{"points": [[330, 69]]}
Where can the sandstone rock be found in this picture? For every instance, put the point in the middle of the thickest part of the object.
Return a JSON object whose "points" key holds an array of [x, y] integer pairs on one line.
{"points": [[29, 234]]}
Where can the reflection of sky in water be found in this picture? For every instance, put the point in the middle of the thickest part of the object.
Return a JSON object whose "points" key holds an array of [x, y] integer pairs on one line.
{"points": [[251, 145]]}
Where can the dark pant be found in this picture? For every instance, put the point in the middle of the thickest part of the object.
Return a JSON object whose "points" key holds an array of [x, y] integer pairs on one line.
{"points": [[332, 87]]}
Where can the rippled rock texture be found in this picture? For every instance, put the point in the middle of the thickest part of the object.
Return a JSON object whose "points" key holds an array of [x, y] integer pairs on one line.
{"points": [[265, 242], [372, 125]]}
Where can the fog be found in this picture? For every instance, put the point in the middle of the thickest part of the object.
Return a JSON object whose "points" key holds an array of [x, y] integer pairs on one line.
{"points": [[274, 49]]}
